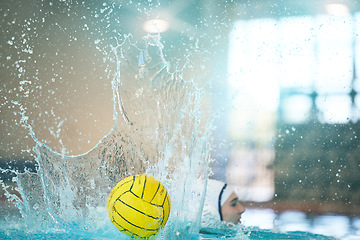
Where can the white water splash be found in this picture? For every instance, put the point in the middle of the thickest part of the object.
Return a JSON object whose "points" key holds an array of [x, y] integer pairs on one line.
{"points": [[157, 131]]}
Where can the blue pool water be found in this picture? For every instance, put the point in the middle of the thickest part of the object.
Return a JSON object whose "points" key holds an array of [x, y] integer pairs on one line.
{"points": [[254, 235], [331, 225], [257, 224], [248, 233]]}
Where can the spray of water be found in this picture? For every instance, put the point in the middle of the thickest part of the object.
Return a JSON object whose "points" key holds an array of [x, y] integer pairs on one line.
{"points": [[157, 131]]}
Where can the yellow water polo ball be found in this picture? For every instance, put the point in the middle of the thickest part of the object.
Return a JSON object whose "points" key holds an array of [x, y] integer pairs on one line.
{"points": [[139, 206]]}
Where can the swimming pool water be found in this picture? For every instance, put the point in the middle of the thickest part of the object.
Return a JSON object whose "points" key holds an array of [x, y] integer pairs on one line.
{"points": [[338, 226], [251, 233], [257, 224]]}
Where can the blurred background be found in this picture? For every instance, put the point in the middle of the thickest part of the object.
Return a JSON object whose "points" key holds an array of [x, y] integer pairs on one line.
{"points": [[281, 80]]}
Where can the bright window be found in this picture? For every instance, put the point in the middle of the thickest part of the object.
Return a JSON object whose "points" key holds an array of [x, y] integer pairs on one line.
{"points": [[288, 64]]}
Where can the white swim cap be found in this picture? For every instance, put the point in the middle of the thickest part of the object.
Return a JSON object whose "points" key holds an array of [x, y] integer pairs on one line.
{"points": [[217, 193]]}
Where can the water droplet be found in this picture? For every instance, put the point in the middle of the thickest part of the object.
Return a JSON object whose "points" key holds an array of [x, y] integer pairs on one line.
{"points": [[36, 206]]}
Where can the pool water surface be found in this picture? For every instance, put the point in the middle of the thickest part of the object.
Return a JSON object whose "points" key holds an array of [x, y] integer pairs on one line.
{"points": [[257, 224]]}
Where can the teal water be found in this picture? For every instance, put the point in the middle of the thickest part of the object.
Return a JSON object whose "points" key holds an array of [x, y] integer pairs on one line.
{"points": [[254, 235], [251, 233]]}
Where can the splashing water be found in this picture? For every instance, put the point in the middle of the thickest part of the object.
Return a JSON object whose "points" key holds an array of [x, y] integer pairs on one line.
{"points": [[157, 131], [158, 124]]}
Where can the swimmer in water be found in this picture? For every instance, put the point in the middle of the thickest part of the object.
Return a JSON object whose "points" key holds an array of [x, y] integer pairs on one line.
{"points": [[221, 203]]}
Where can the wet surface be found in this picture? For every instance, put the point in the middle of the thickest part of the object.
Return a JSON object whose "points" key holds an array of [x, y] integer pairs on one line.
{"points": [[329, 224]]}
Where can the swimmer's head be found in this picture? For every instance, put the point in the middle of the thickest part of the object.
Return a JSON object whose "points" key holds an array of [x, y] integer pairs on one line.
{"points": [[222, 201]]}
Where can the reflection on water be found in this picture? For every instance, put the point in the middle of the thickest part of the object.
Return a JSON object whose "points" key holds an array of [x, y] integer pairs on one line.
{"points": [[338, 226]]}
